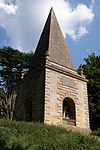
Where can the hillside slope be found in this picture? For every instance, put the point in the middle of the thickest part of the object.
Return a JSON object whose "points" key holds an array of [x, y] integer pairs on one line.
{"points": [[37, 136]]}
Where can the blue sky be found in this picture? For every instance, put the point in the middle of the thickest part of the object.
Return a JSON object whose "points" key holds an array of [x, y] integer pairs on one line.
{"points": [[21, 23], [89, 43]]}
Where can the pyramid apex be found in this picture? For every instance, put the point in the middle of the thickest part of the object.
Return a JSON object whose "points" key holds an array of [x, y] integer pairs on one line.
{"points": [[51, 9], [52, 13], [52, 42]]}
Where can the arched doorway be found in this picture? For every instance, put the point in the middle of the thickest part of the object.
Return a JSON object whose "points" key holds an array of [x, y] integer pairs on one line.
{"points": [[69, 114], [28, 111]]}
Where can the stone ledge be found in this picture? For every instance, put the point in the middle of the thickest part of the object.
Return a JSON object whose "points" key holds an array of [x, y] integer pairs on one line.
{"points": [[64, 70]]}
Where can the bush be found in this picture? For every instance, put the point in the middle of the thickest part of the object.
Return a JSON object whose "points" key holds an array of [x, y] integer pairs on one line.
{"points": [[96, 132], [37, 136]]}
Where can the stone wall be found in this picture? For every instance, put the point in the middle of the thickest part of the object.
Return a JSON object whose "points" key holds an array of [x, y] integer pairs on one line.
{"points": [[61, 82], [30, 99], [42, 91]]}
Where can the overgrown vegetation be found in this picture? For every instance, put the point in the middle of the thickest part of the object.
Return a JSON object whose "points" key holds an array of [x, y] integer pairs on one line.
{"points": [[96, 132], [91, 69], [13, 66], [37, 136]]}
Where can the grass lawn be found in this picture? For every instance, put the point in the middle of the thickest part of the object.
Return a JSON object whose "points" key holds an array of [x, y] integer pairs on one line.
{"points": [[37, 136]]}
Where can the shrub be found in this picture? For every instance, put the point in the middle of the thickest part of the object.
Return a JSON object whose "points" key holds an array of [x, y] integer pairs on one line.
{"points": [[37, 136], [96, 132]]}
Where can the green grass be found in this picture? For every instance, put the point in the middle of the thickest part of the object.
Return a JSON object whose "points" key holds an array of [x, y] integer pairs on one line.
{"points": [[37, 136], [96, 132]]}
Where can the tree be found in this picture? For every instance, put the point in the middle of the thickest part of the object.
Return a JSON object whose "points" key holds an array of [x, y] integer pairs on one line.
{"points": [[13, 65], [92, 72], [3, 106]]}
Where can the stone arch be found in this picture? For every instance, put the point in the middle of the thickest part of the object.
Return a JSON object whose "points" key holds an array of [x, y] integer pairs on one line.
{"points": [[28, 110], [70, 102], [69, 108], [70, 95]]}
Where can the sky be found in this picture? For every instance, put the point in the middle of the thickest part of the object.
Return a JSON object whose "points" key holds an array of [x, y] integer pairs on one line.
{"points": [[22, 21]]}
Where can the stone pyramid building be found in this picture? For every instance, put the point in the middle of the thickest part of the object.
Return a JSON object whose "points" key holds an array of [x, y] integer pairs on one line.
{"points": [[52, 92]]}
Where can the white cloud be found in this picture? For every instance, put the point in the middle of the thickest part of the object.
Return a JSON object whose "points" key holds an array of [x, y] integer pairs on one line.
{"points": [[9, 9], [93, 1], [24, 20]]}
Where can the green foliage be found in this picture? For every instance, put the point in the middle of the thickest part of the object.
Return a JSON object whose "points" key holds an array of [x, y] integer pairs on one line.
{"points": [[37, 136], [3, 108], [96, 132], [12, 63], [92, 72]]}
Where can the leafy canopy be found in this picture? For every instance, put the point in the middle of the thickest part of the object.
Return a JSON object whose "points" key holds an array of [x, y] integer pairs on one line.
{"points": [[12, 64], [91, 70]]}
